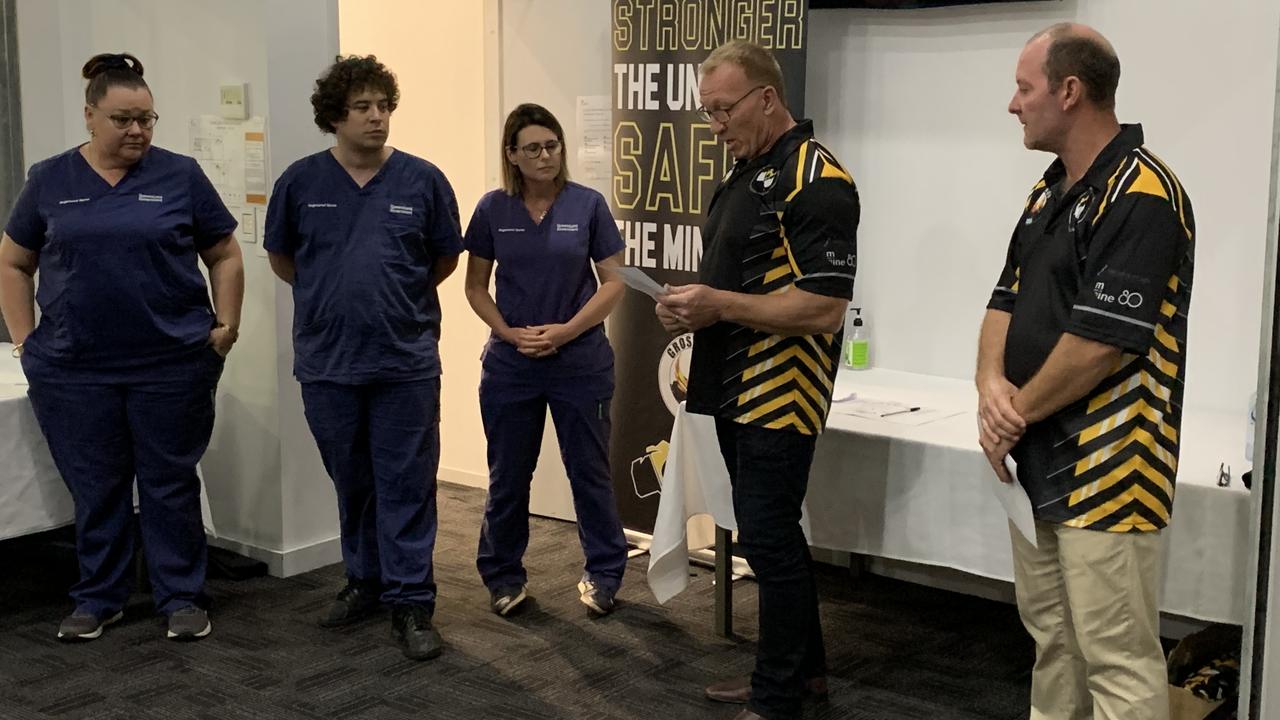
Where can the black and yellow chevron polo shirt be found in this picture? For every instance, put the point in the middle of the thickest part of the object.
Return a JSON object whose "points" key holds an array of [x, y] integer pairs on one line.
{"points": [[786, 219], [1109, 259]]}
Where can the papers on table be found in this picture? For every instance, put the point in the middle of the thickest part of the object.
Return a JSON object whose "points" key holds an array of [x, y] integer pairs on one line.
{"points": [[1013, 497], [890, 411], [636, 278]]}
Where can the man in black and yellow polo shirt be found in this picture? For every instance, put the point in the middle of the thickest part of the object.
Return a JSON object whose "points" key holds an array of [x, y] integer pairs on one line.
{"points": [[776, 276], [1080, 372]]}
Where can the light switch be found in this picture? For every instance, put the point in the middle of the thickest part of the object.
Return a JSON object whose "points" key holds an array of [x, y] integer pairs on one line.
{"points": [[232, 101]]}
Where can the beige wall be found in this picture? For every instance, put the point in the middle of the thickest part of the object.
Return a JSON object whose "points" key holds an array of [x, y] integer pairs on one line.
{"points": [[436, 49]]}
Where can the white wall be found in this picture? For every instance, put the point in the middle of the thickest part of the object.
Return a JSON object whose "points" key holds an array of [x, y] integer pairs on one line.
{"points": [[188, 48], [914, 103]]}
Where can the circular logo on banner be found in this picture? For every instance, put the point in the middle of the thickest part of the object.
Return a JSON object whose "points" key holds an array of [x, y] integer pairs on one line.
{"points": [[673, 371]]}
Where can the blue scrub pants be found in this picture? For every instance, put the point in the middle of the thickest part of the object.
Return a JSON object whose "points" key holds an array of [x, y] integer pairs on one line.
{"points": [[514, 414], [380, 443], [104, 434]]}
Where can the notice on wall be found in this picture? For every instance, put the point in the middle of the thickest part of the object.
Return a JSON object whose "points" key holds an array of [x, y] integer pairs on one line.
{"points": [[233, 155], [595, 137]]}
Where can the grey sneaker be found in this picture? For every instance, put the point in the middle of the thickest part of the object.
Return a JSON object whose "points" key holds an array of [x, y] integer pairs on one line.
{"points": [[189, 623], [598, 600], [507, 598], [81, 626]]}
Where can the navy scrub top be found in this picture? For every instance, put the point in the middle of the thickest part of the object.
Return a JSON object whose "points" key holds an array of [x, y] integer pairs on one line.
{"points": [[544, 276], [120, 291], [365, 304]]}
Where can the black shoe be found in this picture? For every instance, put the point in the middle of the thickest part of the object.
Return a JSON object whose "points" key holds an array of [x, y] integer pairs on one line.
{"points": [[353, 603], [599, 601], [411, 629], [506, 599]]}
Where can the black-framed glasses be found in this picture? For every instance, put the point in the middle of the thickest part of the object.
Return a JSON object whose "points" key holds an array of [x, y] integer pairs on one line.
{"points": [[364, 106], [122, 121], [534, 151], [722, 115]]}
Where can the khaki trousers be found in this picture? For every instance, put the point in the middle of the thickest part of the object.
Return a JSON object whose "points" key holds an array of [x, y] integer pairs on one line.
{"points": [[1089, 599]]}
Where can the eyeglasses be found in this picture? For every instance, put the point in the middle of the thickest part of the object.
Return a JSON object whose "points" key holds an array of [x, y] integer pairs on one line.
{"points": [[721, 115], [533, 151], [363, 107], [145, 121]]}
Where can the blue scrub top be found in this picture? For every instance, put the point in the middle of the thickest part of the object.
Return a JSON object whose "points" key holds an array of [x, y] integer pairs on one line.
{"points": [[119, 287], [365, 307], [543, 275]]}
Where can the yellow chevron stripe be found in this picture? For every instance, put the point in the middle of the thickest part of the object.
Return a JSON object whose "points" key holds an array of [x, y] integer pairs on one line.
{"points": [[800, 163], [1167, 309], [791, 376], [792, 397], [1165, 339], [1139, 407], [1017, 279], [1135, 522], [779, 253], [1164, 366], [1027, 205], [1137, 464], [1106, 196], [778, 272], [795, 351], [1142, 378], [831, 170], [1137, 492], [763, 345], [1173, 283], [786, 246], [791, 420], [823, 355], [1138, 435]]}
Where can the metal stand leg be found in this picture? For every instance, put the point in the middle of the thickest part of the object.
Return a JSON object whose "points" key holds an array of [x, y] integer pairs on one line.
{"points": [[724, 582]]}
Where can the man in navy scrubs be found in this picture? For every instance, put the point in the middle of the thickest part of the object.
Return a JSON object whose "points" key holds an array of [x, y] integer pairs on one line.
{"points": [[364, 233]]}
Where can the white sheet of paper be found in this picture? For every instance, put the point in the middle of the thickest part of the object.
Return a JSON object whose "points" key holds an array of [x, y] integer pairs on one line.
{"points": [[1016, 502], [636, 278]]}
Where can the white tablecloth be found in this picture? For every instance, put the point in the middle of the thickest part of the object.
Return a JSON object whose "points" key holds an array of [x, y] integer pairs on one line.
{"points": [[33, 497], [921, 494]]}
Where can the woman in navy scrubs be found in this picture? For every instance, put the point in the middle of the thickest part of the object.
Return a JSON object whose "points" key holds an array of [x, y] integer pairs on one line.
{"points": [[125, 360], [547, 349]]}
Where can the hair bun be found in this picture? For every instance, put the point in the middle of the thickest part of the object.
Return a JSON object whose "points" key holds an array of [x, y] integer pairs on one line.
{"points": [[106, 62]]}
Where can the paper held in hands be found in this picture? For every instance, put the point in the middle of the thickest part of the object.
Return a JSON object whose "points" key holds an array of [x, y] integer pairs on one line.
{"points": [[636, 278], [1016, 502]]}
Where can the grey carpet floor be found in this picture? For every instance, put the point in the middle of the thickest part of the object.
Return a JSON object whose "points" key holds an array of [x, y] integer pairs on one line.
{"points": [[896, 651]]}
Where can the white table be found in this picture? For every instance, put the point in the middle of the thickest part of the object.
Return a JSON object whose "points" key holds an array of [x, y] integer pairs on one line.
{"points": [[33, 497], [921, 494]]}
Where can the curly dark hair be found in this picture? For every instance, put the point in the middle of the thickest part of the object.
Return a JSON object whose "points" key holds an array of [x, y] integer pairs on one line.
{"points": [[348, 76]]}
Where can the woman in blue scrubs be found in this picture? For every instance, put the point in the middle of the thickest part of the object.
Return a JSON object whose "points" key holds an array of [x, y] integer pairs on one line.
{"points": [[547, 350], [127, 354]]}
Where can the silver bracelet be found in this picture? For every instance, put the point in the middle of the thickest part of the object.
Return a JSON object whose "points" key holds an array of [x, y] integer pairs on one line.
{"points": [[17, 350]]}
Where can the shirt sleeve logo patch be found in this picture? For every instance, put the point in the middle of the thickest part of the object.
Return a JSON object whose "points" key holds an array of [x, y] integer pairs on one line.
{"points": [[764, 181]]}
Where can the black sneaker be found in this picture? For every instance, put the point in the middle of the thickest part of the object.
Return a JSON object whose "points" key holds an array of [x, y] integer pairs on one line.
{"points": [[506, 599], [355, 602], [411, 629], [81, 626], [598, 600], [189, 623]]}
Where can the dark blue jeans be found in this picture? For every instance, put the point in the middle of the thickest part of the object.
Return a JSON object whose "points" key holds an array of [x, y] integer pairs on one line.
{"points": [[380, 443], [769, 470]]}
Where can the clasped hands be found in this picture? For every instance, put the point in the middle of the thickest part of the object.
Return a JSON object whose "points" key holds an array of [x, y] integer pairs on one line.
{"points": [[1000, 427], [538, 341]]}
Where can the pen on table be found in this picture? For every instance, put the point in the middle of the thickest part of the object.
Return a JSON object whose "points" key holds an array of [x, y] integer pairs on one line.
{"points": [[899, 412]]}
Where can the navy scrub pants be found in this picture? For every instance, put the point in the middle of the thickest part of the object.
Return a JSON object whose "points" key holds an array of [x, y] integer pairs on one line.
{"points": [[104, 434], [514, 413], [380, 443]]}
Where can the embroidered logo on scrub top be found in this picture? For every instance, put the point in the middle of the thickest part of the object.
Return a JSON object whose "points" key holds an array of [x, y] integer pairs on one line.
{"points": [[150, 198], [401, 209], [510, 229], [73, 201], [322, 205], [565, 227], [765, 180]]}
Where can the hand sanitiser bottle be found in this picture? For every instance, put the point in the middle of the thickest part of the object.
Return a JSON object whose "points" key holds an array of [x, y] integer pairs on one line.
{"points": [[857, 345]]}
